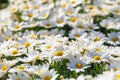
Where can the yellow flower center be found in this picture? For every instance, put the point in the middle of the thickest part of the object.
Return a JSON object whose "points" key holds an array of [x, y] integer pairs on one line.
{"points": [[96, 39], [44, 1], [7, 38], [117, 76], [90, 7], [37, 57], [27, 44], [115, 69], [5, 23], [48, 47], [32, 35], [72, 2], [97, 58], [90, 27], [13, 9], [4, 68], [59, 53], [47, 77], [80, 27], [77, 35], [73, 19], [68, 12], [117, 11], [59, 21], [78, 65], [107, 25], [21, 67], [39, 72], [45, 15], [14, 52], [48, 24], [26, 7], [115, 39], [47, 34], [103, 10], [18, 79], [30, 15], [16, 27], [63, 5], [98, 50], [36, 6]]}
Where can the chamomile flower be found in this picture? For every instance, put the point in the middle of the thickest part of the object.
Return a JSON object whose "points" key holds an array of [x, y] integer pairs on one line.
{"points": [[60, 52], [28, 15], [90, 27], [19, 76], [60, 21], [100, 48], [13, 52], [30, 34], [76, 33], [75, 2], [80, 25], [43, 14], [14, 26], [71, 11], [116, 11], [90, 8], [32, 56], [97, 57], [13, 9], [48, 23], [26, 6], [97, 36], [110, 23], [38, 70], [114, 38], [63, 4], [6, 36], [19, 68], [72, 20], [5, 65], [76, 64], [113, 51], [26, 42], [48, 75], [114, 65]]}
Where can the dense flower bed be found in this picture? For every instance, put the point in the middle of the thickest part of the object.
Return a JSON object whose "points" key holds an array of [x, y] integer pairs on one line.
{"points": [[60, 40]]}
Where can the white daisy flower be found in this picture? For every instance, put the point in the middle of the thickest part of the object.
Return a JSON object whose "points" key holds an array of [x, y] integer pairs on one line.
{"points": [[109, 23], [14, 26], [48, 75], [96, 57], [19, 76], [113, 38], [77, 33], [60, 20], [28, 15], [76, 64], [96, 36], [48, 23]]}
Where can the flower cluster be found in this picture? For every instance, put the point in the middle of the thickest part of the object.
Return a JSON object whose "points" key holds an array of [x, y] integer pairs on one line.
{"points": [[60, 40]]}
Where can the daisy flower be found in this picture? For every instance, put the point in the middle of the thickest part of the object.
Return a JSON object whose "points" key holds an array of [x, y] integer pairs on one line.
{"points": [[28, 15], [113, 38], [19, 76], [96, 57], [76, 64]]}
